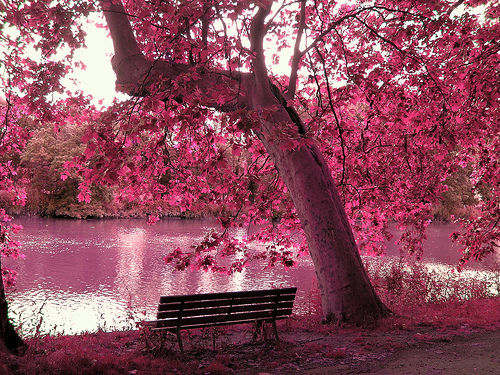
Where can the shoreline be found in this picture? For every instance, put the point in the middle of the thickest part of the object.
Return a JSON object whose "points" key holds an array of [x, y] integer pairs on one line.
{"points": [[306, 347]]}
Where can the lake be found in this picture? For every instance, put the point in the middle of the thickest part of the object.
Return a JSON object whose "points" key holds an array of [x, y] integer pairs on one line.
{"points": [[86, 275]]}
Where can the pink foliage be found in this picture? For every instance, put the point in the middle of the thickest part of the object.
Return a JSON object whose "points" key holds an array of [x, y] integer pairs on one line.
{"points": [[397, 95], [13, 137]]}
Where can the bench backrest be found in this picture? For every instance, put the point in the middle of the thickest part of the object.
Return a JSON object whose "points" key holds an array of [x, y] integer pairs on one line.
{"points": [[202, 310]]}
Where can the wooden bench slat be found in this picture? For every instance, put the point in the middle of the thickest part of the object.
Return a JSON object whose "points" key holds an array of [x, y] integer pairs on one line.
{"points": [[176, 313], [223, 302], [208, 296], [224, 310], [186, 323], [214, 324]]}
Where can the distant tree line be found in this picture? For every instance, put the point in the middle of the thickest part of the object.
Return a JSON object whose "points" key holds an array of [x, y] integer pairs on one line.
{"points": [[42, 165]]}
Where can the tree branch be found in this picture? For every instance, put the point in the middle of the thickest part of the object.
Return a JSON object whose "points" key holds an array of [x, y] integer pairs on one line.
{"points": [[124, 42], [292, 83], [332, 26], [136, 73], [404, 54], [337, 122], [257, 33]]}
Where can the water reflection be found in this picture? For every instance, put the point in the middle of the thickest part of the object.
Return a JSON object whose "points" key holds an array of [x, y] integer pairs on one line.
{"points": [[131, 245], [85, 275]]}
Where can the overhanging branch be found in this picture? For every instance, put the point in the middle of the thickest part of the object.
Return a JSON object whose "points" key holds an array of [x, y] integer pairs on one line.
{"points": [[136, 73], [292, 83], [257, 33]]}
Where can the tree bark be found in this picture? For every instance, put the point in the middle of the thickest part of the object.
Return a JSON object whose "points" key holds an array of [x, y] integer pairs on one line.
{"points": [[8, 335], [347, 295], [346, 292]]}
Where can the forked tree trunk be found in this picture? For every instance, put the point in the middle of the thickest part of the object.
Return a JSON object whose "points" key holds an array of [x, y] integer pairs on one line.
{"points": [[8, 335], [346, 292]]}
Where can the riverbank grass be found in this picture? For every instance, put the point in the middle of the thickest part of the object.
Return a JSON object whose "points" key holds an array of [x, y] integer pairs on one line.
{"points": [[305, 344], [429, 307]]}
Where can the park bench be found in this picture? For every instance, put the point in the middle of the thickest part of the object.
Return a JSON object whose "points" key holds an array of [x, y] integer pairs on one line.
{"points": [[176, 313]]}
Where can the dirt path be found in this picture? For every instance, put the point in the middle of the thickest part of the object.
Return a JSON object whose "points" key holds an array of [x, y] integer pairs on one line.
{"points": [[478, 353], [427, 348]]}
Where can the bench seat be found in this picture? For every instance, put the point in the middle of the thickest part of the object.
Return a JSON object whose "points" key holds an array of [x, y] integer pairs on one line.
{"points": [[182, 312]]}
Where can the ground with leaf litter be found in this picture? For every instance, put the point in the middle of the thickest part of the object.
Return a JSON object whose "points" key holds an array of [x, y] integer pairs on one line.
{"points": [[453, 339], [422, 349]]}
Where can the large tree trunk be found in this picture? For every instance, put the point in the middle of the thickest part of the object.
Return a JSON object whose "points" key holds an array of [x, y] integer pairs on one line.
{"points": [[8, 335], [347, 294]]}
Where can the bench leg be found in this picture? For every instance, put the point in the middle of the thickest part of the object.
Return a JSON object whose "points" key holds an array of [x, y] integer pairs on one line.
{"points": [[258, 328], [275, 330], [179, 339]]}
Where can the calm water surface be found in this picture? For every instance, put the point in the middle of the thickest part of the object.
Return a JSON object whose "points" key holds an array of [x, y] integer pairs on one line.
{"points": [[107, 274]]}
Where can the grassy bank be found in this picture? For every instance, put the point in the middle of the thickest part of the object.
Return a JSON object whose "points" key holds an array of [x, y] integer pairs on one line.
{"points": [[430, 308], [305, 345]]}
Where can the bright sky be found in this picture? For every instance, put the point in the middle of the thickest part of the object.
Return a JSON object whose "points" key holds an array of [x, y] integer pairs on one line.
{"points": [[98, 79]]}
